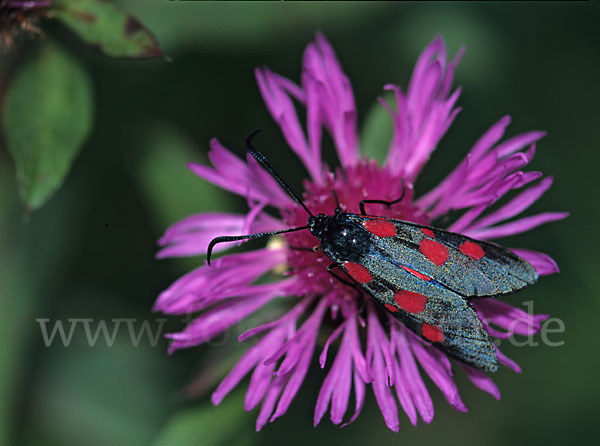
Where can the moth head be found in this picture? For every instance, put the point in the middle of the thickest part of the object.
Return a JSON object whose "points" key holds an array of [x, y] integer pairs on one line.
{"points": [[319, 225]]}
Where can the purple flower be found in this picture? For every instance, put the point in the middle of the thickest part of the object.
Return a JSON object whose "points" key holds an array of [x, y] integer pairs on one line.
{"points": [[373, 348]]}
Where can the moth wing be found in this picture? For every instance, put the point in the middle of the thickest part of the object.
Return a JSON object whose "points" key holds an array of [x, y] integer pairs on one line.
{"points": [[468, 267], [433, 312]]}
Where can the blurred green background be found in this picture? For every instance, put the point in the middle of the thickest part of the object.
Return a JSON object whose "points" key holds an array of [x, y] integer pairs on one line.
{"points": [[89, 252]]}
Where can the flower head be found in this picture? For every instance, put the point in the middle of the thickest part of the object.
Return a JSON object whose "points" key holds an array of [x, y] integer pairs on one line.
{"points": [[373, 348]]}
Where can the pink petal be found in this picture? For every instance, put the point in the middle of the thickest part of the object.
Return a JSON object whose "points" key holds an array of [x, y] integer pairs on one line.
{"points": [[439, 119], [296, 378], [300, 340], [282, 109], [271, 398], [232, 174], [382, 391], [248, 361], [314, 116], [360, 363], [516, 143], [298, 348], [359, 394], [402, 389], [192, 235], [331, 101], [412, 377], [517, 226], [481, 381], [403, 394], [215, 321], [469, 184], [428, 87], [259, 384], [324, 398], [336, 386], [447, 83], [543, 263], [336, 333], [489, 138], [508, 317], [289, 318], [376, 332], [341, 391], [429, 358], [435, 50], [227, 277], [424, 115], [517, 205], [465, 219], [505, 360]]}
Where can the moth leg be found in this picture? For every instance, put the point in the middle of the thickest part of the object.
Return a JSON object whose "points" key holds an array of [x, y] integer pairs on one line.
{"points": [[315, 248], [359, 292], [342, 280], [387, 203]]}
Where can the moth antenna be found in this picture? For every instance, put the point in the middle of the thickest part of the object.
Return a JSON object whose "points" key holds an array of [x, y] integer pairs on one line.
{"points": [[265, 163], [234, 238], [338, 207]]}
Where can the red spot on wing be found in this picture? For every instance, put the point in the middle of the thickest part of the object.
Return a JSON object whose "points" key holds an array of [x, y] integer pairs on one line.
{"points": [[358, 272], [472, 250], [428, 232], [391, 308], [416, 273], [411, 302], [432, 333], [434, 251], [380, 228]]}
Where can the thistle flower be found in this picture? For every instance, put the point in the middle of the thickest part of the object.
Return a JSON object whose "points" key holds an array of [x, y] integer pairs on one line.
{"points": [[373, 347]]}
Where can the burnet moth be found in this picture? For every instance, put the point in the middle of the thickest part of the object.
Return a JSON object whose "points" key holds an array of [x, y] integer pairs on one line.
{"points": [[424, 276]]}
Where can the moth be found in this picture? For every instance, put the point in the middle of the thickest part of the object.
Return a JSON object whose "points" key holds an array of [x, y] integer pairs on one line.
{"points": [[425, 277]]}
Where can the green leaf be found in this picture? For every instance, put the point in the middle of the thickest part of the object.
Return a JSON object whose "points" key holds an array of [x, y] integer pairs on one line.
{"points": [[209, 425], [377, 131], [47, 117], [108, 28]]}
